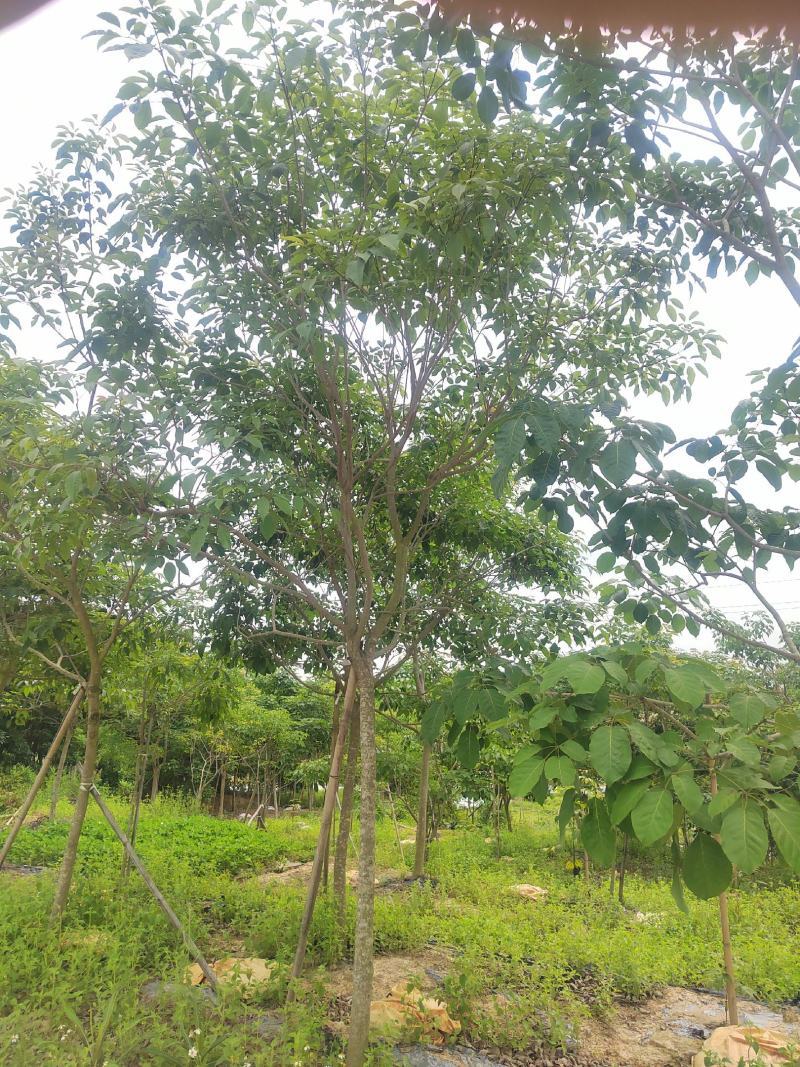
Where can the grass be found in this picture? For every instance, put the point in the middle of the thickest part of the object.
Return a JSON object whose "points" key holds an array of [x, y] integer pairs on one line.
{"points": [[521, 970]]}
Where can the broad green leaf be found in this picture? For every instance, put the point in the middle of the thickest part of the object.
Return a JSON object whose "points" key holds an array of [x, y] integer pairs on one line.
{"points": [[464, 703], [745, 750], [744, 837], [464, 86], [652, 816], [598, 835], [488, 105], [707, 871], [685, 685], [468, 749], [561, 768], [575, 751], [565, 812], [610, 753], [784, 821], [582, 676], [542, 716], [617, 461], [626, 800], [677, 885], [748, 709], [723, 800], [524, 776], [688, 792], [433, 720], [355, 270]]}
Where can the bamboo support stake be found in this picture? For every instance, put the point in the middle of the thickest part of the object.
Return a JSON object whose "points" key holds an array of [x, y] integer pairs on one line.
{"points": [[188, 940], [67, 722]]}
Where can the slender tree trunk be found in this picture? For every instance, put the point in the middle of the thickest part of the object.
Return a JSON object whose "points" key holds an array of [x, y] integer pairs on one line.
{"points": [[202, 782], [277, 798], [156, 776], [507, 809], [586, 873], [334, 741], [66, 724], [731, 1002], [145, 733], [421, 842], [358, 1035], [223, 774], [622, 869], [87, 779], [62, 762], [346, 819], [331, 792]]}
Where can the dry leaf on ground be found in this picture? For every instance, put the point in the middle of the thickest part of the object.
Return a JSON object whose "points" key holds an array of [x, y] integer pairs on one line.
{"points": [[405, 1010]]}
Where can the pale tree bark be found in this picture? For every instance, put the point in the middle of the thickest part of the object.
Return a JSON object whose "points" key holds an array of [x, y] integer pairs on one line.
{"points": [[62, 762], [358, 1034], [346, 820], [223, 775], [145, 731], [421, 843], [331, 792], [87, 780], [65, 727], [731, 1001]]}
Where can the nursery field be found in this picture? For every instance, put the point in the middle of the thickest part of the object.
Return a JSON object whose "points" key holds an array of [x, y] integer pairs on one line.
{"points": [[565, 977]]}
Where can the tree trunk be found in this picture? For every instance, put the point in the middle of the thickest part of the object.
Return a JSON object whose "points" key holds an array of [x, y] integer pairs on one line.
{"points": [[358, 1035], [346, 820], [87, 779], [223, 774], [731, 1003], [66, 725], [62, 762], [507, 809], [622, 867], [421, 843], [156, 776], [145, 732], [331, 792]]}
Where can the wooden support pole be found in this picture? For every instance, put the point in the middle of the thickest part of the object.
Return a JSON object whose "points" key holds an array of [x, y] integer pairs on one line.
{"points": [[63, 730], [188, 940]]}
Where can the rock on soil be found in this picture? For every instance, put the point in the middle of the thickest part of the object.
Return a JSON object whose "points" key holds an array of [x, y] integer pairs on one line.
{"points": [[420, 1056], [668, 1029]]}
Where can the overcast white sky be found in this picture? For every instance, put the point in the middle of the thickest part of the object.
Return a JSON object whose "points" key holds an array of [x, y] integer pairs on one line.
{"points": [[50, 76]]}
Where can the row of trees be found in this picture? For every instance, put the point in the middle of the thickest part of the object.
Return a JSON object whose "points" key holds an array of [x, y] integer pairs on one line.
{"points": [[352, 357]]}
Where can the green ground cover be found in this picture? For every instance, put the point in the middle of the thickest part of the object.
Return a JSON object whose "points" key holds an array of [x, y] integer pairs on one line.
{"points": [[73, 996]]}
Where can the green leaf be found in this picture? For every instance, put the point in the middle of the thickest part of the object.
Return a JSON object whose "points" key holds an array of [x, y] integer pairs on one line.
{"points": [[355, 270], [745, 750], [560, 768], [748, 709], [143, 115], [598, 835], [582, 676], [617, 461], [677, 885], [685, 685], [572, 749], [468, 749], [169, 572], [565, 812], [464, 86], [465, 704], [433, 720], [626, 800], [652, 816], [688, 792], [488, 105], [525, 775], [542, 716], [784, 821], [606, 561], [510, 440], [610, 752], [707, 871], [744, 837]]}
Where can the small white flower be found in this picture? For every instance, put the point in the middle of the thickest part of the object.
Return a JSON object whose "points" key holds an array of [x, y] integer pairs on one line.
{"points": [[306, 1048], [192, 1053], [14, 1039], [194, 1033]]}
